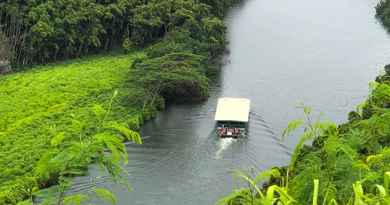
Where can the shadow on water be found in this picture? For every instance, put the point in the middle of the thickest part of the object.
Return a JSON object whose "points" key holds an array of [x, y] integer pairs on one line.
{"points": [[322, 53]]}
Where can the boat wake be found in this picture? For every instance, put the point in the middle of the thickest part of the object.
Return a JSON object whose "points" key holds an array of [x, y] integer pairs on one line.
{"points": [[223, 144]]}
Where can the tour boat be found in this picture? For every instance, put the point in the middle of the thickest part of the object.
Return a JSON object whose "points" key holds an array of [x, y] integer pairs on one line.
{"points": [[232, 117]]}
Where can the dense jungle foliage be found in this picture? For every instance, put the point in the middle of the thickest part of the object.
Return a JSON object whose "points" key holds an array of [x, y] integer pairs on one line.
{"points": [[187, 36], [50, 30], [346, 164]]}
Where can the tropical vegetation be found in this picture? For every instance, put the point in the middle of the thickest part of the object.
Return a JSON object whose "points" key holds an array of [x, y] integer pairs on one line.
{"points": [[345, 164], [44, 31], [188, 36], [57, 119], [130, 57]]}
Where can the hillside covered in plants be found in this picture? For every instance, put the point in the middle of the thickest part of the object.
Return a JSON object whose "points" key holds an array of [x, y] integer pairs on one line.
{"points": [[186, 36], [46, 109]]}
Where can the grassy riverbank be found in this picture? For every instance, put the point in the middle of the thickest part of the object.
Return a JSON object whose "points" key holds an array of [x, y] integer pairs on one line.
{"points": [[54, 100]]}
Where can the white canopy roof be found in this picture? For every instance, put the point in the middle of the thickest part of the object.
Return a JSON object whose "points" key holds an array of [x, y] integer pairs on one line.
{"points": [[233, 109]]}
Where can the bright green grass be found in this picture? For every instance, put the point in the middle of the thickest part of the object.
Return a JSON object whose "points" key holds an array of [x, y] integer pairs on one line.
{"points": [[47, 100]]}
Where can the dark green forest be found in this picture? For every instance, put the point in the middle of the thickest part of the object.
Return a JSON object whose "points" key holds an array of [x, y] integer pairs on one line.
{"points": [[45, 31]]}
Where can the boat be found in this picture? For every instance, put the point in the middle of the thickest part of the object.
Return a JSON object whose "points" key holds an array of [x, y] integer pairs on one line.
{"points": [[232, 117]]}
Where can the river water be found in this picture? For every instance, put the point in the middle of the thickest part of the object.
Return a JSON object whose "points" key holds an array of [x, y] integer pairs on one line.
{"points": [[322, 53]]}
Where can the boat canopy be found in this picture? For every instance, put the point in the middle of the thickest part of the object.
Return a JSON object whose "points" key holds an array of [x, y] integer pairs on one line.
{"points": [[233, 110]]}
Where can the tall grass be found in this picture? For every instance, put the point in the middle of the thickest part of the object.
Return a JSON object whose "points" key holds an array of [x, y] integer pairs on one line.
{"points": [[47, 109]]}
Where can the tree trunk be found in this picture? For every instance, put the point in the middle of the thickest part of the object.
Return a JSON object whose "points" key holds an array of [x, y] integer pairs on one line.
{"points": [[5, 67]]}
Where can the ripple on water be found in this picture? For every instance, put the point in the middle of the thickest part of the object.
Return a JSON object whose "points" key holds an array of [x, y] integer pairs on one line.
{"points": [[309, 56]]}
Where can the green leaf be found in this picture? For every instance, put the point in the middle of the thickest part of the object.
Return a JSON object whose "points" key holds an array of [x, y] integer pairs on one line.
{"points": [[387, 180], [26, 202], [115, 93], [98, 110], [372, 85], [358, 192], [381, 190], [294, 157], [58, 139], [114, 144], [106, 195], [274, 172], [128, 133], [250, 181], [77, 199], [307, 110], [315, 192], [292, 125]]}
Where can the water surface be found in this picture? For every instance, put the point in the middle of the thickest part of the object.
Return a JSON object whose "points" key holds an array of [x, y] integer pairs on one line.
{"points": [[322, 53]]}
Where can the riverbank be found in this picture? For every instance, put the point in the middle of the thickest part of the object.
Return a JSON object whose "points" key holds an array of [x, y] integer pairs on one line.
{"points": [[177, 163], [59, 99], [346, 164], [182, 162], [46, 105]]}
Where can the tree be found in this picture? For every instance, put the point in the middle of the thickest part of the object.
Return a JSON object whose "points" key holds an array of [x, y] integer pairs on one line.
{"points": [[174, 76], [5, 53]]}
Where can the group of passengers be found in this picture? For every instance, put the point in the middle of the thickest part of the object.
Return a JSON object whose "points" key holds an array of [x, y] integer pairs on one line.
{"points": [[225, 131]]}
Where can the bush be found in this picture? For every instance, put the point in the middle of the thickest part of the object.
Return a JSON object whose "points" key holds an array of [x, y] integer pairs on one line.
{"points": [[177, 77], [387, 69]]}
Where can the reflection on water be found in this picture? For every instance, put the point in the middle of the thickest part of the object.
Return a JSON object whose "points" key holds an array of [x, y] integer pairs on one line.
{"points": [[282, 52]]}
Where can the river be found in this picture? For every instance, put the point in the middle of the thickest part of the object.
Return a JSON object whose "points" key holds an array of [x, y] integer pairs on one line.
{"points": [[322, 53]]}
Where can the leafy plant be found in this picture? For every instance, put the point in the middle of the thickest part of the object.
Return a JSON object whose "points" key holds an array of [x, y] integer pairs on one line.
{"points": [[106, 148], [52, 30], [347, 165], [274, 194], [54, 114]]}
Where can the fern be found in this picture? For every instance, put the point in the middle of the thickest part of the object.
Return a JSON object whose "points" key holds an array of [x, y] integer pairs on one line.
{"points": [[106, 195], [77, 199]]}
